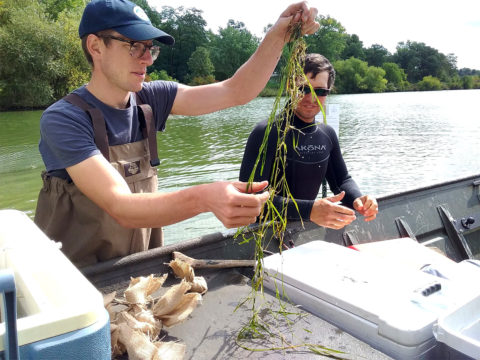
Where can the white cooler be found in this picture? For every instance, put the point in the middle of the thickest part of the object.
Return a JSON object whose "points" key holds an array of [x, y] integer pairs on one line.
{"points": [[51, 310], [380, 302]]}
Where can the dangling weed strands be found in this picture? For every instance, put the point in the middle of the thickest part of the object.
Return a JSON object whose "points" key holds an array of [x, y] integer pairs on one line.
{"points": [[273, 219]]}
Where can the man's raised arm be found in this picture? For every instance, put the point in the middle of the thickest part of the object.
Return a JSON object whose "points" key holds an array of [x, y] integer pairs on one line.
{"points": [[253, 75]]}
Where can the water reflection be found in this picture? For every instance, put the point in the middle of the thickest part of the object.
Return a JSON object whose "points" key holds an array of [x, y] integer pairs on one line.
{"points": [[20, 161], [391, 142]]}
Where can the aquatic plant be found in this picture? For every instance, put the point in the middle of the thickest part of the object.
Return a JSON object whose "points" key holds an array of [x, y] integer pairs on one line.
{"points": [[272, 222]]}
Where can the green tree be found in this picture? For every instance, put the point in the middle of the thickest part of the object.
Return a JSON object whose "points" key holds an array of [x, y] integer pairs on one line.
{"points": [[376, 55], [77, 69], [55, 7], [374, 79], [231, 48], [348, 79], [330, 40], [419, 60], [476, 81], [467, 82], [455, 82], [40, 58], [187, 26], [353, 48], [355, 76], [468, 71], [160, 75], [396, 77], [201, 67], [429, 83], [451, 65]]}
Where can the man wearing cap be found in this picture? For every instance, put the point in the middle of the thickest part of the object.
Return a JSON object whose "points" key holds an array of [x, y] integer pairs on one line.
{"points": [[98, 144]]}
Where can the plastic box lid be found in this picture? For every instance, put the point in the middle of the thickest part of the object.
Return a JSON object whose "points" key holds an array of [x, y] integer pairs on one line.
{"points": [[376, 301]]}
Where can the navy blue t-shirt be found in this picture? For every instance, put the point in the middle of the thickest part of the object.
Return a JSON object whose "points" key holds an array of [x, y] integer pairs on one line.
{"points": [[66, 131]]}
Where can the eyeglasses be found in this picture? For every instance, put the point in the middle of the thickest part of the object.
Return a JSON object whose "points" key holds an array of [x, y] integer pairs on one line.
{"points": [[318, 91], [137, 49]]}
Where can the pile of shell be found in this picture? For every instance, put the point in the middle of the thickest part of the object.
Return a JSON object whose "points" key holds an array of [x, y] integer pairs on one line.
{"points": [[137, 319]]}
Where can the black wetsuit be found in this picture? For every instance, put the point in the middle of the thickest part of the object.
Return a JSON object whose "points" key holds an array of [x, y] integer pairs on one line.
{"points": [[317, 156]]}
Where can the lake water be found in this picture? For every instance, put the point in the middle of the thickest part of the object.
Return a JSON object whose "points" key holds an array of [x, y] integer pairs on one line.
{"points": [[391, 142]]}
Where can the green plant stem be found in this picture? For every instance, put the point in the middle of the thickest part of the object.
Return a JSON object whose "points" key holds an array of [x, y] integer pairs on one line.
{"points": [[273, 218]]}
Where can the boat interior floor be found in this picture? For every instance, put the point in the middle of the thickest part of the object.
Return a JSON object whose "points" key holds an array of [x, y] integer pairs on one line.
{"points": [[211, 330]]}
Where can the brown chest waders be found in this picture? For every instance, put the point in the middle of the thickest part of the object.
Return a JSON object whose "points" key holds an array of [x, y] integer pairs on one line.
{"points": [[87, 233]]}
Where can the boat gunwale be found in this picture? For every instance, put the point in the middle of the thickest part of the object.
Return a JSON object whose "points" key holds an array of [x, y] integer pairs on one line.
{"points": [[154, 260]]}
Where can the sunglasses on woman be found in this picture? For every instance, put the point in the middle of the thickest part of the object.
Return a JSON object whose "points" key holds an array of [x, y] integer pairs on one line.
{"points": [[318, 91]]}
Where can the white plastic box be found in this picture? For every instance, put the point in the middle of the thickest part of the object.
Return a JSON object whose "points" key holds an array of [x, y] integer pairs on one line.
{"points": [[460, 329], [60, 314], [377, 301]]}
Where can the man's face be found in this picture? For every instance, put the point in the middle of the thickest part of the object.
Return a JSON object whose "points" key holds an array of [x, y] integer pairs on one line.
{"points": [[308, 107], [121, 69]]}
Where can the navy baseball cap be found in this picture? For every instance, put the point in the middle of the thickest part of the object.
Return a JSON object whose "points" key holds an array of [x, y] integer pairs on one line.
{"points": [[124, 17]]}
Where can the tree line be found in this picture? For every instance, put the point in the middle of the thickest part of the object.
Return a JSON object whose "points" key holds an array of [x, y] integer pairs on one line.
{"points": [[41, 59]]}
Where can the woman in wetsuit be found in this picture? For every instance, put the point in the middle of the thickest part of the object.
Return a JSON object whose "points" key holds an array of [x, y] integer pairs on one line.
{"points": [[316, 156]]}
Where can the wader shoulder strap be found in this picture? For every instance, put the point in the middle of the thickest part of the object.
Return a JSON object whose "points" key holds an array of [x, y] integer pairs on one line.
{"points": [[96, 116], [148, 129]]}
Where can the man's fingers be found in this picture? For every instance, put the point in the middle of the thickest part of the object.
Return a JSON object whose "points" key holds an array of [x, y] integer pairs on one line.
{"points": [[297, 17], [294, 9], [249, 200], [238, 222], [312, 15], [263, 197], [306, 12], [309, 29], [301, 12], [242, 214], [254, 187], [310, 26]]}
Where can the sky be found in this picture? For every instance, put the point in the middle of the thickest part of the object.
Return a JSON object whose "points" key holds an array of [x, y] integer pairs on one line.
{"points": [[448, 26]]}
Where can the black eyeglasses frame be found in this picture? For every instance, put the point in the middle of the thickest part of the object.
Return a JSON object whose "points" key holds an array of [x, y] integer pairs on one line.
{"points": [[155, 48]]}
